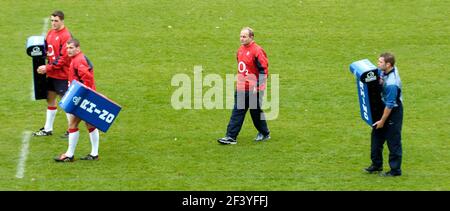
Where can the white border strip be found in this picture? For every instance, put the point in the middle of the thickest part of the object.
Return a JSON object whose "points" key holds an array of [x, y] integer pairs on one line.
{"points": [[32, 89], [45, 27], [23, 154]]}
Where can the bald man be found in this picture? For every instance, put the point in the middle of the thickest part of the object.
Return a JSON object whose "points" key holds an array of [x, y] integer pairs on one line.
{"points": [[251, 83]]}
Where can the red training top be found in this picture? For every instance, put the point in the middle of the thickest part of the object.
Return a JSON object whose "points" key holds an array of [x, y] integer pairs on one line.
{"points": [[58, 60], [252, 68], [82, 70]]}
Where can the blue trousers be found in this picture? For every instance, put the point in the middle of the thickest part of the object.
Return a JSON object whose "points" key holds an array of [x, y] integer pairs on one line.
{"points": [[392, 133], [244, 101]]}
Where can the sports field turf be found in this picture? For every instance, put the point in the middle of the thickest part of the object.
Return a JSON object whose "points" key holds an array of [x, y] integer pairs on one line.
{"points": [[319, 141]]}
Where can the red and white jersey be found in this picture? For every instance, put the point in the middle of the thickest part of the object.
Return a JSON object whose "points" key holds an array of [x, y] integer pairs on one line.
{"points": [[252, 68], [58, 60], [82, 70]]}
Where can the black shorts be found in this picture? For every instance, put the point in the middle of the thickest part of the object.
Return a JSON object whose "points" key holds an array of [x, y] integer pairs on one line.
{"points": [[57, 85]]}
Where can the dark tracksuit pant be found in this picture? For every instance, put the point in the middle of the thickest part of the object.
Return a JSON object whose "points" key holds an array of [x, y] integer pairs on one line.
{"points": [[244, 101], [392, 133]]}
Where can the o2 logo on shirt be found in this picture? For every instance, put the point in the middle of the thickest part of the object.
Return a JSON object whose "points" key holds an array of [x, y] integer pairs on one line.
{"points": [[242, 68], [50, 51]]}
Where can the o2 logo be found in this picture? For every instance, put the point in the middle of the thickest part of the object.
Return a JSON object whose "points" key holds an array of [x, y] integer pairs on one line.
{"points": [[91, 108], [51, 52], [76, 100], [242, 68]]}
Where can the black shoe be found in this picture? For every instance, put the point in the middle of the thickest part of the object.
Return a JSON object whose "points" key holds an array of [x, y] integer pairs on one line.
{"points": [[65, 135], [64, 158], [261, 137], [42, 132], [391, 174], [89, 157], [227, 140], [373, 169]]}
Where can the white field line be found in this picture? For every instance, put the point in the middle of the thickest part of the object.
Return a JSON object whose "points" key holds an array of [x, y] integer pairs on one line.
{"points": [[23, 154], [32, 89], [45, 26]]}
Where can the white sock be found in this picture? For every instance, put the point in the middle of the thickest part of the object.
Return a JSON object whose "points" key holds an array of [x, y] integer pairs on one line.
{"points": [[73, 140], [94, 136], [51, 113]]}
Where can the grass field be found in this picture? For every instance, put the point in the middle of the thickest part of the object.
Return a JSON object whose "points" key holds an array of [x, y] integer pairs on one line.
{"points": [[319, 141]]}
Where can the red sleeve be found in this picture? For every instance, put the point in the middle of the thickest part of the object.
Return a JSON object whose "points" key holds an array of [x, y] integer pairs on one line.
{"points": [[86, 76], [63, 59], [262, 64]]}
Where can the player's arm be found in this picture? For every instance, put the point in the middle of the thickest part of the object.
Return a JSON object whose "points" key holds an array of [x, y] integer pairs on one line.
{"points": [[43, 68], [85, 75], [262, 64], [380, 124]]}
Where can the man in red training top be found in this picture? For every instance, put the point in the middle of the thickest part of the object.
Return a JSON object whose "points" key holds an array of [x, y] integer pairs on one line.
{"points": [[251, 83], [56, 69], [82, 70]]}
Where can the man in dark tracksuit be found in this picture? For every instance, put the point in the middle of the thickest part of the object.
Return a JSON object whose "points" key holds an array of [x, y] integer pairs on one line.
{"points": [[389, 127], [251, 83]]}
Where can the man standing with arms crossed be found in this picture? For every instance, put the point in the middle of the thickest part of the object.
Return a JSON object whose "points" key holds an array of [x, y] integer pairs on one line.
{"points": [[56, 69], [82, 70], [251, 83]]}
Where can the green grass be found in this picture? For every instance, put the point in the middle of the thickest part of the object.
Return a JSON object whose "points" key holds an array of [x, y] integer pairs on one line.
{"points": [[318, 141]]}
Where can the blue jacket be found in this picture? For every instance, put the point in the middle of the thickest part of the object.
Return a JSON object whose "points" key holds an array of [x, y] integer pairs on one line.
{"points": [[392, 89]]}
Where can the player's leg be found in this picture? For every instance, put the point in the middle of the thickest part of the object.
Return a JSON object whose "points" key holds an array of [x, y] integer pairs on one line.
{"points": [[74, 135], [94, 137], [47, 130], [258, 118], [51, 111], [394, 137], [61, 87], [378, 138], [68, 116], [236, 122], [236, 119]]}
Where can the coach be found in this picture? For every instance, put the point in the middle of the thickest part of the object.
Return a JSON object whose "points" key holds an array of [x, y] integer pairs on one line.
{"points": [[251, 83], [389, 127]]}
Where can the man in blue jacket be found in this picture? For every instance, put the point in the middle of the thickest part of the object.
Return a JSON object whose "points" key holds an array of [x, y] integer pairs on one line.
{"points": [[389, 127]]}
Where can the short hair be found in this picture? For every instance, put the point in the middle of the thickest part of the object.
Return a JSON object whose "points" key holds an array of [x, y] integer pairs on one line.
{"points": [[388, 58], [58, 13], [75, 42], [250, 31]]}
